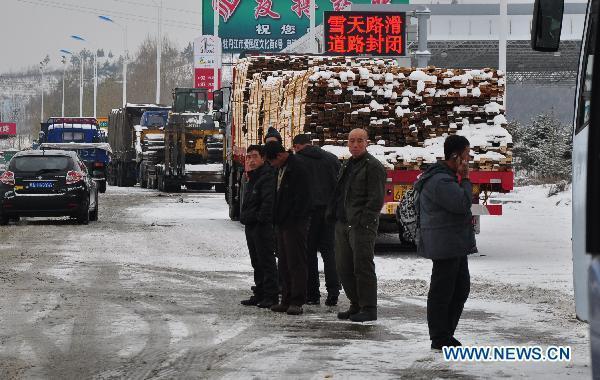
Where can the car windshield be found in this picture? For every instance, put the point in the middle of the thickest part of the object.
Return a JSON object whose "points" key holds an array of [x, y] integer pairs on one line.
{"points": [[37, 163]]}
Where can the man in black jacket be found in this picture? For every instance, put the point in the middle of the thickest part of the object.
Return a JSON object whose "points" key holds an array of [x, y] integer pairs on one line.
{"points": [[291, 217], [257, 216], [357, 202], [324, 168], [446, 237]]}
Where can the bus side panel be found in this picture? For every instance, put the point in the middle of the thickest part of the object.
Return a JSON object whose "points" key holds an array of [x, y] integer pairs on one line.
{"points": [[581, 260]]}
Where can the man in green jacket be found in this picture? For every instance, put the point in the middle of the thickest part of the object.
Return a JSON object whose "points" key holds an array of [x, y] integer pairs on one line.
{"points": [[357, 203]]}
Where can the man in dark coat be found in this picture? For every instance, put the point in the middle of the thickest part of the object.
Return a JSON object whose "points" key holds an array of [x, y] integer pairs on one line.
{"points": [[291, 217], [257, 216], [446, 237], [357, 203], [324, 168]]}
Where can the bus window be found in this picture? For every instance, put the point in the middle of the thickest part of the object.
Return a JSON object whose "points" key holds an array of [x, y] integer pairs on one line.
{"points": [[585, 100]]}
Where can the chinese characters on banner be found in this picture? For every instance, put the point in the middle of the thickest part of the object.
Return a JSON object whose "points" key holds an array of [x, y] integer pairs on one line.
{"points": [[207, 56], [268, 25], [365, 33], [205, 78], [8, 129]]}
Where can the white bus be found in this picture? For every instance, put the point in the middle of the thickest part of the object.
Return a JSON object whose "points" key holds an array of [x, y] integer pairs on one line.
{"points": [[545, 36]]}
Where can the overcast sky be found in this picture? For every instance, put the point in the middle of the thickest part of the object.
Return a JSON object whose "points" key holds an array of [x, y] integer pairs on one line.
{"points": [[30, 29]]}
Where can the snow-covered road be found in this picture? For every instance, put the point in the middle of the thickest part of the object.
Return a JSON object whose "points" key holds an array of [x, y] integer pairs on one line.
{"points": [[152, 290]]}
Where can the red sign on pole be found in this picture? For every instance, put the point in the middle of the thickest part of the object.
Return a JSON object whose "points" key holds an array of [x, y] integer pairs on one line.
{"points": [[204, 78], [8, 129], [365, 33]]}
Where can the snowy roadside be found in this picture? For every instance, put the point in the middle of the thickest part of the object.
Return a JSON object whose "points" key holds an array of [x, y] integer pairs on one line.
{"points": [[165, 273]]}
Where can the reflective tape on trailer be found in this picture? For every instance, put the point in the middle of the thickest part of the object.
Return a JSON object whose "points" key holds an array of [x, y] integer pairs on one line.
{"points": [[477, 209]]}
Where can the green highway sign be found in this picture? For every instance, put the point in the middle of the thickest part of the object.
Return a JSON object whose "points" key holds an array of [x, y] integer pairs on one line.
{"points": [[268, 25]]}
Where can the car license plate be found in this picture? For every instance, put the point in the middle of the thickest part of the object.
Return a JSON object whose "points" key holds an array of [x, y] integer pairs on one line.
{"points": [[41, 185]]}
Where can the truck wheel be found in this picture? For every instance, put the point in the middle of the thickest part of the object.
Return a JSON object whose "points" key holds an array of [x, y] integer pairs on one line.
{"points": [[102, 186], [160, 183], [234, 204], [220, 188], [120, 177]]}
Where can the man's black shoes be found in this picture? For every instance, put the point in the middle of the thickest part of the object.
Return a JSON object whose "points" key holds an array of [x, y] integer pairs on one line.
{"points": [[313, 301], [366, 314], [252, 301], [450, 342], [354, 309], [331, 300], [267, 303]]}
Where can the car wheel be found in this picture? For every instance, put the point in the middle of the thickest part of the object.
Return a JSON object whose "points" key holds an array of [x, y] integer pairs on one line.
{"points": [[3, 220], [84, 215], [102, 186], [94, 212]]}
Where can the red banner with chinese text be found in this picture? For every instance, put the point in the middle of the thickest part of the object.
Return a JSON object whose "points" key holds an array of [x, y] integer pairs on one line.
{"points": [[8, 129], [365, 33], [204, 78]]}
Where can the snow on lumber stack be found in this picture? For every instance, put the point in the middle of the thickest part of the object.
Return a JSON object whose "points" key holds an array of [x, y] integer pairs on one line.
{"points": [[406, 112]]}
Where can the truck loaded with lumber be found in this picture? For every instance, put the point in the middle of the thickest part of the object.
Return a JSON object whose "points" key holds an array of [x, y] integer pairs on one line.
{"points": [[407, 113]]}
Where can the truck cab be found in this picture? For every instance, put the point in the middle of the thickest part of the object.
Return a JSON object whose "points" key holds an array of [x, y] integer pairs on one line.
{"points": [[193, 144], [75, 129], [80, 134]]}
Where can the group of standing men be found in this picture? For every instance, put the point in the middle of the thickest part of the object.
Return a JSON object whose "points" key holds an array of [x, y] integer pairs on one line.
{"points": [[311, 204]]}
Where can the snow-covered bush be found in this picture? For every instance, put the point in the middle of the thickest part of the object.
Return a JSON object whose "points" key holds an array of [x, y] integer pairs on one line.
{"points": [[557, 188], [542, 149]]}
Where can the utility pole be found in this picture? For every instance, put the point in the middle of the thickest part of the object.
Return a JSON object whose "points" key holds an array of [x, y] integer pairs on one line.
{"points": [[42, 88], [158, 52], [125, 58], [64, 63], [217, 47], [313, 22], [81, 85], [502, 36], [95, 78]]}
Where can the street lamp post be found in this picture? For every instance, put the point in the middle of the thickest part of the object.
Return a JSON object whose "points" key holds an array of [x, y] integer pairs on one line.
{"points": [[42, 88], [158, 52], [125, 53], [81, 84], [79, 38], [64, 62]]}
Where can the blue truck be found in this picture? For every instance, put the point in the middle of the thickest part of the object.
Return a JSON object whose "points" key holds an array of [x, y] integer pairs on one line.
{"points": [[82, 135]]}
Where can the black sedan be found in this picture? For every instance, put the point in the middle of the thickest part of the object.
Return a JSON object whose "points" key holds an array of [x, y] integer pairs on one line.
{"points": [[47, 184]]}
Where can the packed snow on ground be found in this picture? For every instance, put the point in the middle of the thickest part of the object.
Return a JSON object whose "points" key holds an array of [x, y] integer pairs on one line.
{"points": [[521, 292]]}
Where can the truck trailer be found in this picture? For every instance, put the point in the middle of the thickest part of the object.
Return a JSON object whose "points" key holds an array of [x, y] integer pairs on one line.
{"points": [[407, 113], [123, 129]]}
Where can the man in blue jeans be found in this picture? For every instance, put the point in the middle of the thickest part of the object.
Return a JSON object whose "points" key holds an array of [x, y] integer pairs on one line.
{"points": [[446, 237]]}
